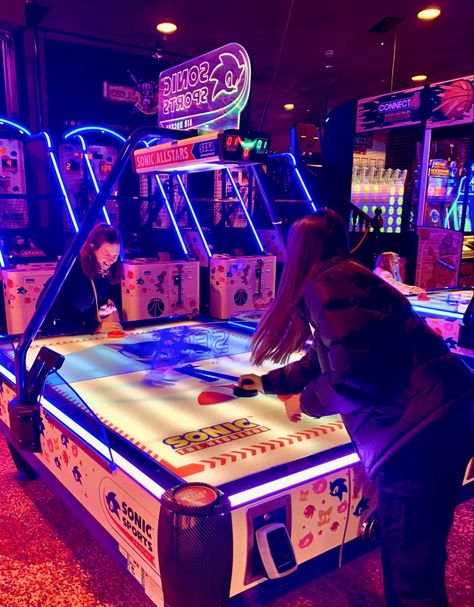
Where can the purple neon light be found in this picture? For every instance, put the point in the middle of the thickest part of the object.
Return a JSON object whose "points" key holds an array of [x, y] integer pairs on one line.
{"points": [[287, 482]]}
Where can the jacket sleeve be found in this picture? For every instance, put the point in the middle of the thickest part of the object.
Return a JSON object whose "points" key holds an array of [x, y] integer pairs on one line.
{"points": [[356, 332], [292, 378]]}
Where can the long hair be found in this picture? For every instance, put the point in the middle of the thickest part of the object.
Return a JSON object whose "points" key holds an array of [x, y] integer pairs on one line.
{"points": [[389, 261], [101, 233], [312, 239]]}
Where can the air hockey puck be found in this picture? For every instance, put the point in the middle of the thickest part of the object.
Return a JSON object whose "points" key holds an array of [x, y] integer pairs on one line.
{"points": [[423, 297], [243, 392], [116, 334]]}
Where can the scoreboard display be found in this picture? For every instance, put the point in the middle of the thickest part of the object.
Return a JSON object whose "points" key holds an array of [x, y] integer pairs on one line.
{"points": [[253, 147], [206, 152]]}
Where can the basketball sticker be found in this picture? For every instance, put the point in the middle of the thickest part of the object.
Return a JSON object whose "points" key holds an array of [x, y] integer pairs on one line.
{"points": [[457, 99], [451, 101]]}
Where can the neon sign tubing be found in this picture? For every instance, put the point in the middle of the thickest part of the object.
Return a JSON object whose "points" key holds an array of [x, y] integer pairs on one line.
{"points": [[92, 175], [249, 221], [190, 206]]}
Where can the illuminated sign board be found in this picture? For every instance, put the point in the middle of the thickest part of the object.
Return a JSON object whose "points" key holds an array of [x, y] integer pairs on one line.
{"points": [[386, 111], [208, 92], [199, 153], [451, 102], [177, 155]]}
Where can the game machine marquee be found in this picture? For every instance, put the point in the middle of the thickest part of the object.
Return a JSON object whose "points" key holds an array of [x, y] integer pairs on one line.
{"points": [[33, 231], [209, 93], [446, 212]]}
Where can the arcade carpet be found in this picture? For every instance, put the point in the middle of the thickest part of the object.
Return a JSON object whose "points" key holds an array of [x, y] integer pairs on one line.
{"points": [[48, 559]]}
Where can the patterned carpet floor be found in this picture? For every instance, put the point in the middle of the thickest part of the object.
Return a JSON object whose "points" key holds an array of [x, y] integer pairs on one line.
{"points": [[49, 559]]}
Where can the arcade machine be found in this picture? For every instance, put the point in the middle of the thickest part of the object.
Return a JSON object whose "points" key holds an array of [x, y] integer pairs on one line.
{"points": [[33, 229], [231, 254], [446, 202], [161, 279], [372, 150], [290, 197], [86, 158], [199, 492]]}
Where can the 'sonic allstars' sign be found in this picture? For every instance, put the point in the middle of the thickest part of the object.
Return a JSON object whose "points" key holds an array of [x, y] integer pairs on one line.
{"points": [[208, 92]]}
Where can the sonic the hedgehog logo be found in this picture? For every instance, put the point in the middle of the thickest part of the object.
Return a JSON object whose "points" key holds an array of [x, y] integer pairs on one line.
{"points": [[226, 75]]}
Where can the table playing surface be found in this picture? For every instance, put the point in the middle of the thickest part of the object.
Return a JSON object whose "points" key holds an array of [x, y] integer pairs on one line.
{"points": [[168, 389], [444, 300]]}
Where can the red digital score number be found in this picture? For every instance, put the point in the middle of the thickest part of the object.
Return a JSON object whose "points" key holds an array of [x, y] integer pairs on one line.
{"points": [[246, 153], [232, 142], [105, 168]]}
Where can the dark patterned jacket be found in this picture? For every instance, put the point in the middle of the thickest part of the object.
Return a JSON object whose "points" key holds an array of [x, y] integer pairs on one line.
{"points": [[373, 360]]}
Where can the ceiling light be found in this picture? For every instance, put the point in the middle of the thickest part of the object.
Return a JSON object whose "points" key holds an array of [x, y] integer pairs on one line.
{"points": [[419, 77], [289, 106], [328, 66], [166, 28], [429, 13]]}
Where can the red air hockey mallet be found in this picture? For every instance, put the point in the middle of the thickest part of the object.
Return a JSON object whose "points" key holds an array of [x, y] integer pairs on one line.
{"points": [[244, 392]]}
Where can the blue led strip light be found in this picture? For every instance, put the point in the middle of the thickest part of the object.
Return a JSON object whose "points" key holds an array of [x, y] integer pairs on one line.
{"points": [[432, 312], [190, 206], [92, 175], [94, 129], [16, 125], [59, 179], [166, 201], [244, 209], [171, 214], [299, 177]]}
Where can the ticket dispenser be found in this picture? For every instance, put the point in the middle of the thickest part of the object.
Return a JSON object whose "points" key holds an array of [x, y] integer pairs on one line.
{"points": [[270, 551]]}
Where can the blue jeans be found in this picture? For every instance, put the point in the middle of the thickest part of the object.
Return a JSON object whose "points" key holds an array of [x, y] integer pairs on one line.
{"points": [[417, 492]]}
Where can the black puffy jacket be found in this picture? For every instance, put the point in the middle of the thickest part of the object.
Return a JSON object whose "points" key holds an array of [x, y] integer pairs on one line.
{"points": [[373, 360]]}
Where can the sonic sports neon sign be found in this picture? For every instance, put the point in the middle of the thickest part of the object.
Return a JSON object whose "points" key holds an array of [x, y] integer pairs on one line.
{"points": [[208, 92]]}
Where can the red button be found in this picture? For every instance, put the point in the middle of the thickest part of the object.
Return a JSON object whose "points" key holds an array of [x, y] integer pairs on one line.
{"points": [[195, 495]]}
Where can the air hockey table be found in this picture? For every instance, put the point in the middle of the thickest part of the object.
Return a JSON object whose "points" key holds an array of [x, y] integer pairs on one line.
{"points": [[202, 495], [444, 310]]}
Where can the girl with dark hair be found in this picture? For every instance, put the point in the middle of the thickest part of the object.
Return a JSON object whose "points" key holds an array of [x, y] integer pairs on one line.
{"points": [[85, 297], [406, 401]]}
